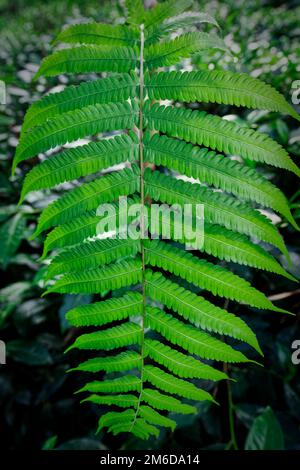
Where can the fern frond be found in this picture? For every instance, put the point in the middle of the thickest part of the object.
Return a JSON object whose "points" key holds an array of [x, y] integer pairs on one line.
{"points": [[216, 241], [125, 422], [165, 10], [112, 338], [125, 383], [205, 275], [107, 311], [230, 246], [185, 20], [190, 338], [170, 52], [138, 427], [216, 170], [125, 361], [79, 229], [74, 125], [219, 208], [87, 59], [100, 34], [97, 240], [88, 197], [135, 11], [92, 254], [170, 384], [115, 417], [80, 161], [164, 402], [111, 277], [197, 310], [180, 364], [201, 128], [71, 232], [153, 417], [106, 90], [122, 400], [217, 86]]}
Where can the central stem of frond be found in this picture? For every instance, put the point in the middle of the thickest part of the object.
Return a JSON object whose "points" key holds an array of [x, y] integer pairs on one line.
{"points": [[142, 218]]}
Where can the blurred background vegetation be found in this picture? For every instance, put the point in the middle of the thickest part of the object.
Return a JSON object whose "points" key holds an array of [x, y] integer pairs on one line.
{"points": [[37, 405]]}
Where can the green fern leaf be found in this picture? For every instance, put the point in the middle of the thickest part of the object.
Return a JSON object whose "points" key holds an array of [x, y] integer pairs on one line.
{"points": [[217, 86], [112, 338], [124, 361], [106, 90], [99, 34], [92, 254], [217, 133], [170, 384], [197, 310], [109, 256], [179, 363], [101, 313], [190, 338], [86, 59], [125, 383], [170, 52], [74, 125], [126, 422], [216, 241], [219, 208], [80, 161], [138, 427], [135, 11], [216, 170], [153, 417], [173, 24], [122, 400], [165, 10], [99, 280], [164, 402], [79, 229], [88, 197], [115, 417], [205, 275]]}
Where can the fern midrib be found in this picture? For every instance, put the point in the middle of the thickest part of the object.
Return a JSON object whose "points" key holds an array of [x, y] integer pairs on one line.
{"points": [[189, 338], [85, 226], [242, 138], [225, 209], [83, 159], [119, 335], [221, 241], [46, 109], [100, 251], [219, 87], [196, 309], [72, 126], [170, 359], [113, 309], [105, 36], [92, 59], [142, 221], [166, 54], [202, 164], [99, 279], [204, 274], [91, 196]]}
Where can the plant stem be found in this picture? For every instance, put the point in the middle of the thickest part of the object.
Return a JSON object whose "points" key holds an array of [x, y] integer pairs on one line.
{"points": [[142, 219], [233, 442]]}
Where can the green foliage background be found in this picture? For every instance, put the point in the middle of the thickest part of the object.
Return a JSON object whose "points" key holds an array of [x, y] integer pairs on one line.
{"points": [[37, 408]]}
